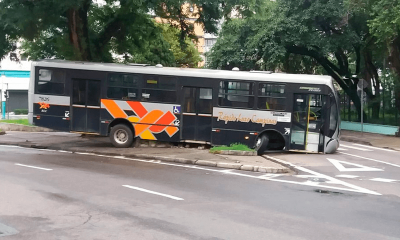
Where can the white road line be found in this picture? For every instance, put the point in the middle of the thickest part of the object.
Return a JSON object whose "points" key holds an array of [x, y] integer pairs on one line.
{"points": [[342, 149], [383, 180], [48, 150], [152, 192], [361, 190], [351, 187], [358, 167], [384, 149], [357, 148], [371, 159], [22, 165], [346, 176]]}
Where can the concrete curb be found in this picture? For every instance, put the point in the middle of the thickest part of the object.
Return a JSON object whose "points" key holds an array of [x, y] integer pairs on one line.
{"points": [[20, 127], [226, 165], [235, 152]]}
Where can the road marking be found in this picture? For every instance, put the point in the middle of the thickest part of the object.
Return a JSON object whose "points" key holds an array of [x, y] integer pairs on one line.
{"points": [[371, 159], [384, 149], [357, 148], [383, 180], [48, 150], [351, 187], [269, 175], [22, 165], [347, 176], [342, 149], [359, 168], [152, 192]]}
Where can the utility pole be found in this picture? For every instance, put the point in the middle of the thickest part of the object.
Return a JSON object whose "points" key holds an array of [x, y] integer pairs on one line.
{"points": [[7, 102], [3, 100], [362, 84]]}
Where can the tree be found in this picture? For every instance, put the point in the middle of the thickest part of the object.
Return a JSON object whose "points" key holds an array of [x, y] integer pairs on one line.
{"points": [[185, 55], [385, 25], [326, 32], [91, 31]]}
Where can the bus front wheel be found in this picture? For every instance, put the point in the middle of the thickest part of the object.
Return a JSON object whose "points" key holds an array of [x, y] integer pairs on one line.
{"points": [[261, 144], [121, 136]]}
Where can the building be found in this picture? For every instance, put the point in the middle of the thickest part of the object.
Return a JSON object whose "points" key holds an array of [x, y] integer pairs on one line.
{"points": [[14, 77]]}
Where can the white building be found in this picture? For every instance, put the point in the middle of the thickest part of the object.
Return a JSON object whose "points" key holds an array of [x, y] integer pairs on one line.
{"points": [[14, 77]]}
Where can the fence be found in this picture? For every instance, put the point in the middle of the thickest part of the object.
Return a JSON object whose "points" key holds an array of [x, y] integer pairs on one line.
{"points": [[388, 113]]}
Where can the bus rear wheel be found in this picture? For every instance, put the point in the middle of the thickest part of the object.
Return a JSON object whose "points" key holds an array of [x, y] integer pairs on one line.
{"points": [[121, 136], [261, 144]]}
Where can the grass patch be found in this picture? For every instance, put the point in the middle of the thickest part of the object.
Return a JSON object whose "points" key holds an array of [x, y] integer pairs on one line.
{"points": [[233, 146], [17, 121]]}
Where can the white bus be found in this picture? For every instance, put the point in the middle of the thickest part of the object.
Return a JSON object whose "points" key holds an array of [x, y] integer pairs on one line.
{"points": [[266, 111]]}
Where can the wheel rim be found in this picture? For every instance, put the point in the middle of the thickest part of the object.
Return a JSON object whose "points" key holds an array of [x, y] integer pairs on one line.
{"points": [[258, 143], [121, 136]]}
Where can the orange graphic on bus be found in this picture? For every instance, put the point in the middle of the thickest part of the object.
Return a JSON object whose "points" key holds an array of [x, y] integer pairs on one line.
{"points": [[145, 123], [44, 105]]}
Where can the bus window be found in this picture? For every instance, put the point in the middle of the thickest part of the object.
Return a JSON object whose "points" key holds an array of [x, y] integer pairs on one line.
{"points": [[122, 86], [205, 100], [271, 97], [159, 89], [236, 94], [51, 82]]}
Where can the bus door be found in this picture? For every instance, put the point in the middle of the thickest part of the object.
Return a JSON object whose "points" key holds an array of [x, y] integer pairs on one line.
{"points": [[308, 118], [85, 107], [196, 115]]}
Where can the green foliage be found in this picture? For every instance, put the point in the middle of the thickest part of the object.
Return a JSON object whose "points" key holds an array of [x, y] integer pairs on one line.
{"points": [[185, 55], [17, 121], [323, 36], [385, 24], [233, 146], [113, 30], [21, 111]]}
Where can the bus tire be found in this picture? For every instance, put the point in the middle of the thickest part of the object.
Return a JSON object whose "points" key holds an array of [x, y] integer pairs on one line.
{"points": [[261, 144], [121, 136]]}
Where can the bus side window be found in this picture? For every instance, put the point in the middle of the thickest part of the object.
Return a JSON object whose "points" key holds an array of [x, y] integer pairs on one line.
{"points": [[159, 89], [236, 94], [122, 86], [271, 96], [51, 82]]}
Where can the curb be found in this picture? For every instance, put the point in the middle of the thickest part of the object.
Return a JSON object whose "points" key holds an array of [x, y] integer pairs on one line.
{"points": [[289, 166], [236, 166], [235, 152], [24, 128]]}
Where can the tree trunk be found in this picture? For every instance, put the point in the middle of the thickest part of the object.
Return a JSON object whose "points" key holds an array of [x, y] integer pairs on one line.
{"points": [[78, 31], [372, 77]]}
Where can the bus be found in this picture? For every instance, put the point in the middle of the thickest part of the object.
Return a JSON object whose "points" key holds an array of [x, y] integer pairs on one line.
{"points": [[263, 110]]}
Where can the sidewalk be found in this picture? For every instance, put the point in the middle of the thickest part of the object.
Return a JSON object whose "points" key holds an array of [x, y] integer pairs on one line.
{"points": [[373, 139], [161, 151]]}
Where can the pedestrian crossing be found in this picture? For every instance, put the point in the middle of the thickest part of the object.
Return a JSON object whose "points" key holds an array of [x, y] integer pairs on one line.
{"points": [[360, 147], [356, 148]]}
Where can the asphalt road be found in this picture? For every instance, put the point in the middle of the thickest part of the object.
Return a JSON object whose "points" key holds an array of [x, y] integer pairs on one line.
{"points": [[56, 195], [373, 169]]}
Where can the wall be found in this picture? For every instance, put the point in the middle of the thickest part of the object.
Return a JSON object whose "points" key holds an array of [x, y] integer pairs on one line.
{"points": [[371, 128]]}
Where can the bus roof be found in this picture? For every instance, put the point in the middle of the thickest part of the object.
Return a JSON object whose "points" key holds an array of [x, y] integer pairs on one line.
{"points": [[188, 72]]}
